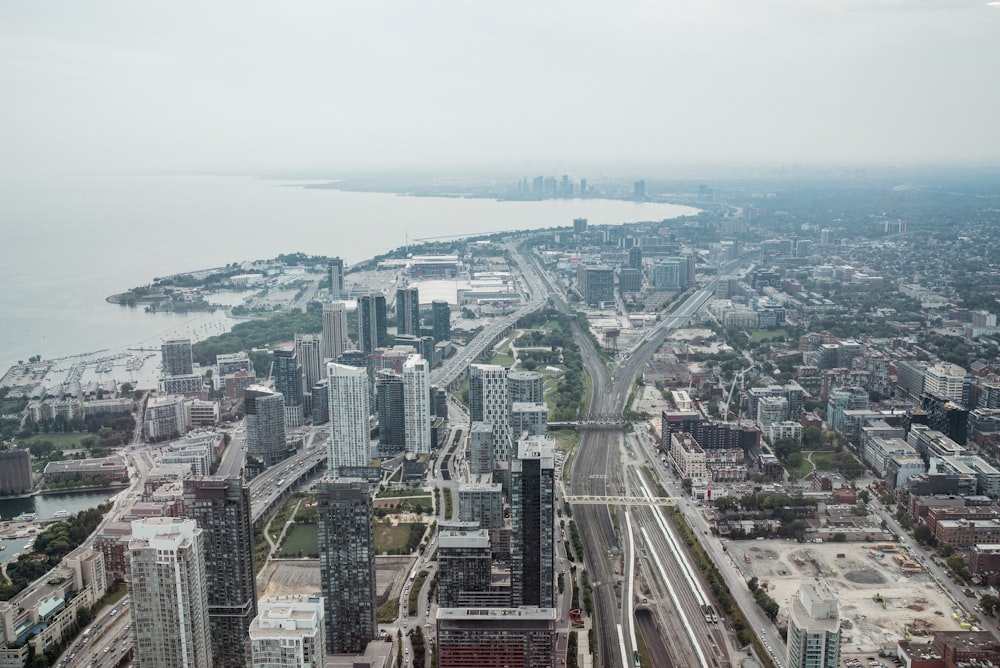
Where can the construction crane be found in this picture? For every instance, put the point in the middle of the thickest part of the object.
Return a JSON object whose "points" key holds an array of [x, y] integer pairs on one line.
{"points": [[738, 376]]}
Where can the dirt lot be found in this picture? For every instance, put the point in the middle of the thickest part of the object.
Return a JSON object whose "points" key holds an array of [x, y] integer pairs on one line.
{"points": [[301, 576], [912, 601]]}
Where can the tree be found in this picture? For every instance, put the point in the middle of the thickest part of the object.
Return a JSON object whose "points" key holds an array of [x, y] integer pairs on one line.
{"points": [[989, 603], [923, 534], [864, 496], [812, 436]]}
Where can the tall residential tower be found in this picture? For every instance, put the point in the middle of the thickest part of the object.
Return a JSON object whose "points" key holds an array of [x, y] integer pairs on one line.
{"points": [[408, 311], [372, 328], [176, 357], [532, 512], [350, 436], [168, 594], [417, 405], [265, 424], [334, 331], [347, 563], [221, 507]]}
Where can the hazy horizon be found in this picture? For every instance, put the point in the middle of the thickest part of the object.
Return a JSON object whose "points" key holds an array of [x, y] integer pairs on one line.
{"points": [[519, 87]]}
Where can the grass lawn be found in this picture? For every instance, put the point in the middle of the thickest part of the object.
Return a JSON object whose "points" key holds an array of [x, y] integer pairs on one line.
{"points": [[60, 440], [388, 537], [761, 334], [804, 469], [503, 359], [822, 460], [301, 540], [406, 503]]}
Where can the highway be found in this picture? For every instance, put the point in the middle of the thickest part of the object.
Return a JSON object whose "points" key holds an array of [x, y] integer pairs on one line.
{"points": [[455, 366]]}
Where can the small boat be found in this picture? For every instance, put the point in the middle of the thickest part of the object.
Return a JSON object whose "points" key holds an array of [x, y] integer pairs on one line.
{"points": [[3, 546], [60, 514]]}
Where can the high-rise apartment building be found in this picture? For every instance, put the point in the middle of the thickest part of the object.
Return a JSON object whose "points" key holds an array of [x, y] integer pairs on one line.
{"points": [[668, 274], [347, 563], [439, 402], [532, 512], [465, 563], [289, 632], [529, 418], [350, 436], [525, 386], [813, 627], [287, 375], [496, 637], [844, 399], [321, 401], [408, 311], [15, 471], [336, 273], [309, 353], [481, 450], [221, 507], [227, 363], [635, 257], [417, 405], [389, 405], [597, 284], [168, 594], [372, 328], [629, 280], [948, 381], [481, 503], [441, 320], [265, 424], [488, 403], [334, 340], [424, 345], [176, 357]]}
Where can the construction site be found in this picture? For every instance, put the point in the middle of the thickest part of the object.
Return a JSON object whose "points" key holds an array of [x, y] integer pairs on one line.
{"points": [[884, 594]]}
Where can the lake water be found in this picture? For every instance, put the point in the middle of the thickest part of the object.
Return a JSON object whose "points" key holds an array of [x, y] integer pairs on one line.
{"points": [[68, 245], [46, 506]]}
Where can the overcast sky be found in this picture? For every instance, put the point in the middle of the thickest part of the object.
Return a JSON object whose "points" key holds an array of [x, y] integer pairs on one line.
{"points": [[246, 86]]}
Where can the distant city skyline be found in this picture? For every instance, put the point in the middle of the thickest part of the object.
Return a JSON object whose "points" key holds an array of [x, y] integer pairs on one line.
{"points": [[109, 89]]}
